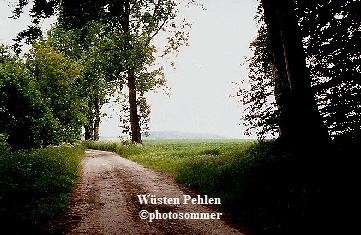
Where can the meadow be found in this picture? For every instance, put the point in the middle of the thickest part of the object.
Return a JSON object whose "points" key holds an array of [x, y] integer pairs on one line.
{"points": [[274, 191]]}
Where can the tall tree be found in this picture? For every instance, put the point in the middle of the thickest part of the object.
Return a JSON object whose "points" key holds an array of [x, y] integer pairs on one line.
{"points": [[299, 118], [256, 91], [330, 32], [140, 22]]}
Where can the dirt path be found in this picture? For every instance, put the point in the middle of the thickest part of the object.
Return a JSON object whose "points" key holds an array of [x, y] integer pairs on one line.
{"points": [[106, 202]]}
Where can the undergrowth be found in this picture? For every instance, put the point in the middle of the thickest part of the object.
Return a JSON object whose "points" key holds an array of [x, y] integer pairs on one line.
{"points": [[35, 185]]}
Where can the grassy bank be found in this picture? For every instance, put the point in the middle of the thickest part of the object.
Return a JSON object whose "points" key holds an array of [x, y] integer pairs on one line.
{"points": [[278, 193], [35, 185]]}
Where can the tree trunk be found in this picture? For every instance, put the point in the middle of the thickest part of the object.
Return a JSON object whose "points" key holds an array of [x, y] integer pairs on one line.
{"points": [[133, 109], [299, 118], [87, 132], [97, 119]]}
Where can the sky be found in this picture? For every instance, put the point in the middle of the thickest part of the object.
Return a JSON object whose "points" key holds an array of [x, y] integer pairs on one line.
{"points": [[201, 86]]}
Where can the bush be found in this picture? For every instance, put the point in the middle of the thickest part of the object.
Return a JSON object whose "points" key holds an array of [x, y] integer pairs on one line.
{"points": [[24, 117]]}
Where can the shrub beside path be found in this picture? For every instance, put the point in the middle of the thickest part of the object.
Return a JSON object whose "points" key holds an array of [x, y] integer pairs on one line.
{"points": [[106, 202]]}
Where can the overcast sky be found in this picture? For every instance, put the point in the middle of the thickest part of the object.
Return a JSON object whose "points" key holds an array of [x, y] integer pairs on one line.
{"points": [[201, 85]]}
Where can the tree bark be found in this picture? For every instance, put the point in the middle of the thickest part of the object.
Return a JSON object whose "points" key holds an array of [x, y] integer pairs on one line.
{"points": [[97, 107], [133, 109], [87, 132], [299, 118]]}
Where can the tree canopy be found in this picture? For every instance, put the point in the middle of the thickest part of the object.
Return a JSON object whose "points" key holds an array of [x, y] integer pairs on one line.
{"points": [[330, 33], [57, 79], [25, 119], [112, 40], [333, 33]]}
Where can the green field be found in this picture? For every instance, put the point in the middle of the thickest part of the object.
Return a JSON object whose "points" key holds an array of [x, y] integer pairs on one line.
{"points": [[166, 155]]}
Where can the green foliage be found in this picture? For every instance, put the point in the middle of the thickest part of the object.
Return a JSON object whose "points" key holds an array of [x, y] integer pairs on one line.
{"points": [[103, 145], [75, 15], [35, 185], [4, 146], [24, 116], [214, 152], [41, 102], [256, 92], [56, 77], [99, 70], [112, 39]]}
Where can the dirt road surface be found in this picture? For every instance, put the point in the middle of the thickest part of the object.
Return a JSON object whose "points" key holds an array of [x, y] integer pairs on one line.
{"points": [[106, 202]]}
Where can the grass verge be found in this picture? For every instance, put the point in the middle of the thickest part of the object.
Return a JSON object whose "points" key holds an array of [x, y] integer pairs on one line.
{"points": [[35, 185]]}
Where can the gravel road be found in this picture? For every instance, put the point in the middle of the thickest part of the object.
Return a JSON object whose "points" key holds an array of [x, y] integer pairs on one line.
{"points": [[106, 202]]}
